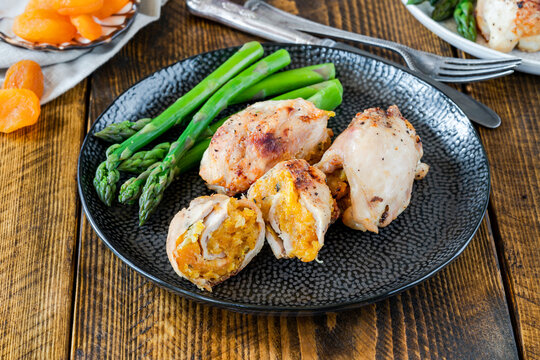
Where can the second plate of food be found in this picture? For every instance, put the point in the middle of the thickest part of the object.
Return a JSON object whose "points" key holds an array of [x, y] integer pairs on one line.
{"points": [[354, 267], [446, 30]]}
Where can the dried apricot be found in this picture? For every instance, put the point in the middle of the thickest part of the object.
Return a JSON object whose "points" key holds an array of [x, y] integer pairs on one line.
{"points": [[87, 27], [109, 8], [18, 108], [39, 4], [44, 26], [25, 74], [77, 7]]}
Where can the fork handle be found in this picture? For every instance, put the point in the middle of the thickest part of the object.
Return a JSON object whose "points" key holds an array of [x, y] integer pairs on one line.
{"points": [[275, 15], [240, 18]]}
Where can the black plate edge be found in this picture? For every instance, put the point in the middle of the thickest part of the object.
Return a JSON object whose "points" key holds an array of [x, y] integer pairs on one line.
{"points": [[284, 310]]}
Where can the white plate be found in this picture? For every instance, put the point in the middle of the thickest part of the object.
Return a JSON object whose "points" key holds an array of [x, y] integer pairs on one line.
{"points": [[446, 30]]}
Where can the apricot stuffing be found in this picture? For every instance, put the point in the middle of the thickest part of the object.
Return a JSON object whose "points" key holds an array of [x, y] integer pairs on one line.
{"points": [[44, 26], [18, 108], [25, 74]]}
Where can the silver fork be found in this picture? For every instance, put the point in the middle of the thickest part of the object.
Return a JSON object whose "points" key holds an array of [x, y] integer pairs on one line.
{"points": [[446, 69], [243, 19]]}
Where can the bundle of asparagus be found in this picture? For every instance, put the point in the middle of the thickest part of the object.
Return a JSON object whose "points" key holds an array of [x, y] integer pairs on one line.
{"points": [[237, 80]]}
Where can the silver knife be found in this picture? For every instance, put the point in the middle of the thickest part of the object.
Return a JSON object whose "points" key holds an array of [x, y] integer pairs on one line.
{"points": [[240, 18]]}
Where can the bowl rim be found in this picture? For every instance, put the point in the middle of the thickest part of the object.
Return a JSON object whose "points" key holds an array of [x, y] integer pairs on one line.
{"points": [[274, 309]]}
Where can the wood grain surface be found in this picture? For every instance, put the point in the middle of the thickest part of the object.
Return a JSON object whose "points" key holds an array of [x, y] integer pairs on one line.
{"points": [[39, 216], [514, 155]]}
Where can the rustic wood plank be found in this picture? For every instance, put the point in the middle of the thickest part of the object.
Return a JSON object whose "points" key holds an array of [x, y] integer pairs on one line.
{"points": [[39, 216], [460, 313], [514, 154]]}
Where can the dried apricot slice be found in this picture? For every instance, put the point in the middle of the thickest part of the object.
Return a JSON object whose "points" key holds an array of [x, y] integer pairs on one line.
{"points": [[18, 108], [87, 27], [39, 4], [109, 8], [77, 7], [25, 74], [44, 26]]}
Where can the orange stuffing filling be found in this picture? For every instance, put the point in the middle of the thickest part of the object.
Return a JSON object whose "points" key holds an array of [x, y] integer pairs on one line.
{"points": [[293, 218], [231, 241], [339, 187]]}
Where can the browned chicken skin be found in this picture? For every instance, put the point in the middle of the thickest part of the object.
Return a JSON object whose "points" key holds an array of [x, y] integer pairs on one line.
{"points": [[252, 141], [507, 23]]}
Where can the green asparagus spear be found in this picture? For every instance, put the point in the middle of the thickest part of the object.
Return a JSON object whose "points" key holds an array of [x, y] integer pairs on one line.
{"points": [[273, 84], [328, 98], [132, 188], [107, 174], [162, 176], [433, 2], [443, 9], [307, 91], [465, 20], [119, 132], [415, 2], [286, 81], [141, 160]]}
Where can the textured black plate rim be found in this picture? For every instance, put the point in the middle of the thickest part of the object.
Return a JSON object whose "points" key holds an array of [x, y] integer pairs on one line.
{"points": [[285, 310]]}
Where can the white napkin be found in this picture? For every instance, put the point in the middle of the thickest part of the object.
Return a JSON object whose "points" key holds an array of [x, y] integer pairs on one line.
{"points": [[62, 70]]}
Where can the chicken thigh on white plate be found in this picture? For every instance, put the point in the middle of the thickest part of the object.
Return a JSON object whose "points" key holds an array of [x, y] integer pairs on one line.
{"points": [[507, 23], [252, 141], [297, 207], [371, 167], [214, 238]]}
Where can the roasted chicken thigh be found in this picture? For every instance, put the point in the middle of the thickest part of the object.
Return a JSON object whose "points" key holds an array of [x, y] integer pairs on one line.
{"points": [[371, 167], [252, 141]]}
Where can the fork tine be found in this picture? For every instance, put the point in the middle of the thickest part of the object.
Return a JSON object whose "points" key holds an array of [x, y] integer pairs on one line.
{"points": [[475, 71], [464, 79], [473, 67], [458, 61]]}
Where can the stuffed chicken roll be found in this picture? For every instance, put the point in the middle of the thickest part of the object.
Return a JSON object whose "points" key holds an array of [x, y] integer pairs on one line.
{"points": [[214, 238], [252, 141], [297, 207], [371, 167]]}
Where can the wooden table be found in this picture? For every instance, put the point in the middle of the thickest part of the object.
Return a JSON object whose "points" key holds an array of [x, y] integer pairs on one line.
{"points": [[64, 294]]}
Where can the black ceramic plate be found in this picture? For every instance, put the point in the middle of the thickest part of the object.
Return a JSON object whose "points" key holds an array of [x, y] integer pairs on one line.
{"points": [[358, 268]]}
